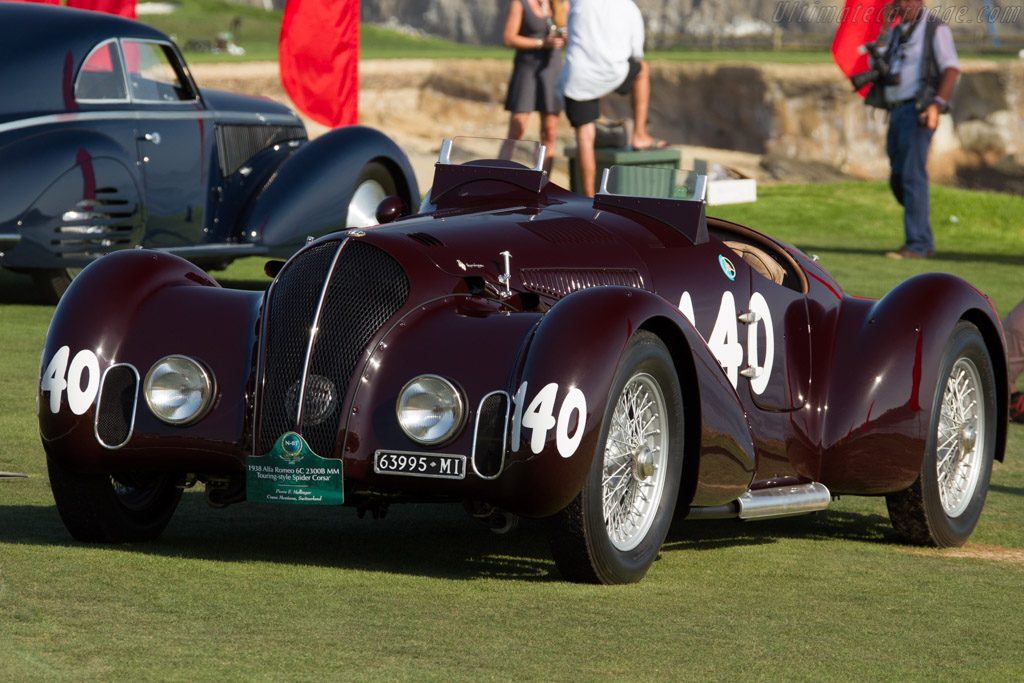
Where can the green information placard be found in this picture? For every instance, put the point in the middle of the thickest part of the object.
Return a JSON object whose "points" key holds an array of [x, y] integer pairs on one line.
{"points": [[292, 473]]}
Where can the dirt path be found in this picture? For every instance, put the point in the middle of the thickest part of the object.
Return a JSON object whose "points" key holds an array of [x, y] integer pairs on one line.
{"points": [[420, 102]]}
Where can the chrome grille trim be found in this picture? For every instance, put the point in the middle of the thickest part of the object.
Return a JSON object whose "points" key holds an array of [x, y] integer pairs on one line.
{"points": [[315, 329], [101, 411], [504, 433]]}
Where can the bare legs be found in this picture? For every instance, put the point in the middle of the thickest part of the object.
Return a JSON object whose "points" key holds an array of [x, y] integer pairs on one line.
{"points": [[548, 130]]}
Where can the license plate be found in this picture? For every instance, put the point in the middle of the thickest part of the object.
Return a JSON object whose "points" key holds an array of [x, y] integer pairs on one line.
{"points": [[431, 465]]}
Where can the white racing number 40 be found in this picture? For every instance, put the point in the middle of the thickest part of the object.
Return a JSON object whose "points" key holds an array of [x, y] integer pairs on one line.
{"points": [[725, 344], [81, 379]]}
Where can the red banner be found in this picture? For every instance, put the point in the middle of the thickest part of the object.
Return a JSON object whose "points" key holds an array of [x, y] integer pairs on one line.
{"points": [[859, 22], [318, 56], [124, 8]]}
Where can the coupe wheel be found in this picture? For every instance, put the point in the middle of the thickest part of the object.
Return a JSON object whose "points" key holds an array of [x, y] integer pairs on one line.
{"points": [[374, 184], [51, 284], [942, 507], [613, 530], [121, 508]]}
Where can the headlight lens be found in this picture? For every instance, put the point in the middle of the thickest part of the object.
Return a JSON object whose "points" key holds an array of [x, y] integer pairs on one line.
{"points": [[178, 390], [430, 410]]}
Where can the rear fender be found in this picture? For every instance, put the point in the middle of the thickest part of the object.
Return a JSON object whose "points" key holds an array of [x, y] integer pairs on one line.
{"points": [[132, 308], [66, 181], [310, 193], [884, 377], [563, 391]]}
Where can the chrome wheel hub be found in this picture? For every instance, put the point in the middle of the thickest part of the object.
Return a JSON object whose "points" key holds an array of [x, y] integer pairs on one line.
{"points": [[635, 462], [960, 438], [362, 209]]}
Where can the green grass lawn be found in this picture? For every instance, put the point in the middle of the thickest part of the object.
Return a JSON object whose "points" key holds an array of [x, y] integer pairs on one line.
{"points": [[258, 592]]}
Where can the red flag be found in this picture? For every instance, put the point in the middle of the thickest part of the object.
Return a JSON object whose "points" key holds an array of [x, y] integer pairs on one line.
{"points": [[859, 22], [124, 8], [318, 56]]}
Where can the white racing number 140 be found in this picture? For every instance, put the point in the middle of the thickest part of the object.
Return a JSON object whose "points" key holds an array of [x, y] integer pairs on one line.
{"points": [[81, 379], [724, 341], [539, 418]]}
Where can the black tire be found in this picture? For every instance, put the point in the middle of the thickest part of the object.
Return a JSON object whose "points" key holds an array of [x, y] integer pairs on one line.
{"points": [[584, 546], [52, 283], [374, 184], [960, 447], [120, 508]]}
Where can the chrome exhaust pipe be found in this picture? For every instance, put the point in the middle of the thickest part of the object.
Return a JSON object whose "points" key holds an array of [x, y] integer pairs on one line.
{"points": [[778, 501]]}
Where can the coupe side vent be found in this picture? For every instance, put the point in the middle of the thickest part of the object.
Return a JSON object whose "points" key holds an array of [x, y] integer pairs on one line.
{"points": [[560, 282], [427, 239], [96, 225], [237, 143]]}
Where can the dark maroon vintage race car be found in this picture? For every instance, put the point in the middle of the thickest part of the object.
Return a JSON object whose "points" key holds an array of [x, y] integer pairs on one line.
{"points": [[604, 363], [107, 143]]}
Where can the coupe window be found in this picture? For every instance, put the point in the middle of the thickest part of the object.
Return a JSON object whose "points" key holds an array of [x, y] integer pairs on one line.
{"points": [[155, 73], [102, 76]]}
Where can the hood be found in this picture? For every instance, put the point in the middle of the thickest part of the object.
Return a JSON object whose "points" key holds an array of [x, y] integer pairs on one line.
{"points": [[552, 251], [227, 103]]}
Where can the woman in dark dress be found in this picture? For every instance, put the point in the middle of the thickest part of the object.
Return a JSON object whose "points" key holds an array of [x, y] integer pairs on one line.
{"points": [[537, 63]]}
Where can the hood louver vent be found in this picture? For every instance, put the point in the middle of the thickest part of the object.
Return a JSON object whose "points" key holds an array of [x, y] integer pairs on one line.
{"points": [[560, 282], [427, 239]]}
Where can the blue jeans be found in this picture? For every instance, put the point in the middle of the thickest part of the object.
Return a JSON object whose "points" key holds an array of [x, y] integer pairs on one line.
{"points": [[907, 145]]}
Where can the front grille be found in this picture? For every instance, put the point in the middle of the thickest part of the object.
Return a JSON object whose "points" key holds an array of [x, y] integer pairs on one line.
{"points": [[237, 143], [560, 282], [365, 288], [489, 441], [115, 410]]}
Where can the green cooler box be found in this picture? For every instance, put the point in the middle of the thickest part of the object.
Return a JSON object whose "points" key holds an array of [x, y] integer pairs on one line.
{"points": [[633, 184]]}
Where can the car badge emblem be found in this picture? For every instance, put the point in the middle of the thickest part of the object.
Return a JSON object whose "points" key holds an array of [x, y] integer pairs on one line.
{"points": [[291, 447], [727, 267]]}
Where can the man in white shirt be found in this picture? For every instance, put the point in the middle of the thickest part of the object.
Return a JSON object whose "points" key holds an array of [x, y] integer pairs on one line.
{"points": [[604, 55], [919, 89]]}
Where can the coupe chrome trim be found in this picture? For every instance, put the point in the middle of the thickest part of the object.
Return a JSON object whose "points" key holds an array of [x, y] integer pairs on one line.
{"points": [[133, 115], [248, 249]]}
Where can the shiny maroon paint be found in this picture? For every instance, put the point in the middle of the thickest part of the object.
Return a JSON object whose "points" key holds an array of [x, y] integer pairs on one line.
{"points": [[847, 404]]}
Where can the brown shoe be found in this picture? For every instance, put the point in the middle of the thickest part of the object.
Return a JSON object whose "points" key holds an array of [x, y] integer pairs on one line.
{"points": [[905, 252]]}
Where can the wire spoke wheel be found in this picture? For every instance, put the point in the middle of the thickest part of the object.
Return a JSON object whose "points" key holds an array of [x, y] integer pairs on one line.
{"points": [[633, 477], [613, 529], [942, 507], [960, 439]]}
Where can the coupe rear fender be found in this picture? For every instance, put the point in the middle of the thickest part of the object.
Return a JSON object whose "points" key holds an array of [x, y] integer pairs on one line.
{"points": [[128, 310], [310, 193], [45, 177], [562, 391], [884, 375]]}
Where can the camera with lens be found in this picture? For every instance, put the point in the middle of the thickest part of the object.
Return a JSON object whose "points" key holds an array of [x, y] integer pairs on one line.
{"points": [[879, 74]]}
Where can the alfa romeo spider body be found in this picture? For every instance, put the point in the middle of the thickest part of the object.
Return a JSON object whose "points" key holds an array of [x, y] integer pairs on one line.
{"points": [[606, 363], [107, 143]]}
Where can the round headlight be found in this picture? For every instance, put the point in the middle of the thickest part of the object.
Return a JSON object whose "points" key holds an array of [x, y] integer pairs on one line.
{"points": [[178, 390], [430, 410]]}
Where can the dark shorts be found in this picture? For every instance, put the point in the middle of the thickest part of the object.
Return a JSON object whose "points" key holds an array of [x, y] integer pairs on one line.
{"points": [[582, 113]]}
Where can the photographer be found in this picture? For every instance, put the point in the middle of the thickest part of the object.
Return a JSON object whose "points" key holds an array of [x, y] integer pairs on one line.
{"points": [[919, 67]]}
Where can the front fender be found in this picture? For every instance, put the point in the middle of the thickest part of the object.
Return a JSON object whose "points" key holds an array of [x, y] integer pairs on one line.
{"points": [[128, 310], [310, 193], [563, 392], [884, 377]]}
